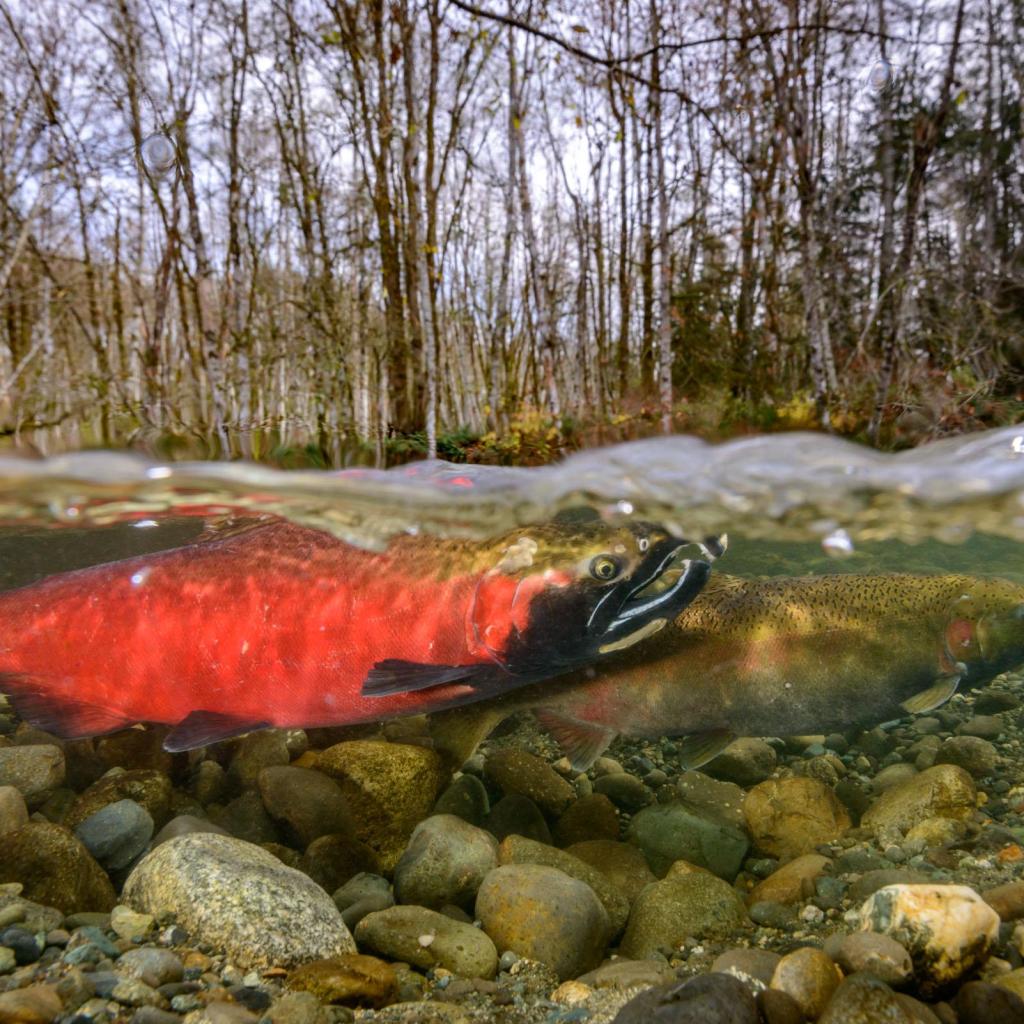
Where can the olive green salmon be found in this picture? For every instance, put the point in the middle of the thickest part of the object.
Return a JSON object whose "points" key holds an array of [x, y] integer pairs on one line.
{"points": [[775, 657]]}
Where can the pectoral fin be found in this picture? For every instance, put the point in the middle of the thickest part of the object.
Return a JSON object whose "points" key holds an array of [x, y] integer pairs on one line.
{"points": [[396, 676], [582, 742], [201, 728], [700, 747], [938, 693]]}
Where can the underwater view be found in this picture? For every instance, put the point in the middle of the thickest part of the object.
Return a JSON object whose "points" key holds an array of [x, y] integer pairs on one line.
{"points": [[666, 730]]}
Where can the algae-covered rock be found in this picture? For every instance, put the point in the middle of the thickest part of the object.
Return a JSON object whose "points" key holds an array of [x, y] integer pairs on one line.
{"points": [[147, 787], [351, 979], [790, 817], [945, 791], [673, 831]]}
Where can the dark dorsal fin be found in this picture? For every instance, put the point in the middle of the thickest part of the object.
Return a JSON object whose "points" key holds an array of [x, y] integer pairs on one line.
{"points": [[201, 728]]}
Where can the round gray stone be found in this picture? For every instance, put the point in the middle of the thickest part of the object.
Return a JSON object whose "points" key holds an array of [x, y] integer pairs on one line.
{"points": [[116, 834]]}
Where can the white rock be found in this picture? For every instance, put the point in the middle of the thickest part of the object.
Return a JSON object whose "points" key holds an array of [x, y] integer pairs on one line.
{"points": [[948, 930]]}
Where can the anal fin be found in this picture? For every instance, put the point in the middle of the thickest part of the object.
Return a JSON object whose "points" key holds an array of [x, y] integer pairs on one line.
{"points": [[938, 693], [201, 728], [582, 742], [700, 747]]}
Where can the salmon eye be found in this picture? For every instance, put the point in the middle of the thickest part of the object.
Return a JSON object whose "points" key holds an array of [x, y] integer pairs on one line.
{"points": [[604, 568], [643, 544]]}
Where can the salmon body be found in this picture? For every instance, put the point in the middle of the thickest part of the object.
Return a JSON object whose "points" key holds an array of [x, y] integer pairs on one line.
{"points": [[777, 657], [281, 625]]}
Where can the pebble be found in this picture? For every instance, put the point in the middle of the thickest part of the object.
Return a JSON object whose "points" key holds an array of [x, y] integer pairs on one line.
{"points": [[864, 999], [746, 762], [238, 898], [428, 939], [544, 914], [150, 788], [35, 770], [361, 895], [873, 952], [445, 862], [623, 974], [937, 831], [987, 727], [790, 882], [34, 1004], [349, 980], [666, 913], [948, 930], [130, 925], [591, 817], [673, 831], [132, 992], [975, 755], [981, 1003], [466, 798], [623, 864], [517, 850], [769, 914], [517, 815], [151, 965], [305, 803], [13, 810], [945, 791], [116, 834], [524, 774], [705, 999], [389, 787], [55, 869], [625, 791], [810, 977], [332, 860], [789, 817]]}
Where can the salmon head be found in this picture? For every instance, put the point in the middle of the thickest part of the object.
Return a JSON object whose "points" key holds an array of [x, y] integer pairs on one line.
{"points": [[985, 633], [563, 594]]}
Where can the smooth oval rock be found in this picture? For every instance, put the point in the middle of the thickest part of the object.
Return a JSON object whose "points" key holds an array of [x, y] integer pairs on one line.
{"points": [[13, 810], [623, 864], [116, 834], [55, 869], [981, 1003], [948, 930], [875, 953], [238, 898], [524, 774], [790, 817], [445, 862], [591, 817], [307, 804], [428, 939], [746, 762], [517, 815], [1006, 900], [673, 831], [517, 850], [466, 798], [810, 977], [683, 906], [389, 787], [34, 770], [973, 754], [863, 999], [703, 793], [542, 913], [787, 884], [34, 1004], [945, 791]]}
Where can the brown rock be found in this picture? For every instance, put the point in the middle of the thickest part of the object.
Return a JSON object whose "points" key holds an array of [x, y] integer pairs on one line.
{"points": [[778, 1007], [790, 817], [980, 1003], [591, 817], [875, 953], [348, 980], [55, 869], [35, 770], [525, 774], [13, 811], [135, 748], [306, 804], [944, 791], [621, 863], [786, 885], [1006, 900], [517, 850], [151, 789], [35, 1004], [810, 977], [332, 860], [389, 788]]}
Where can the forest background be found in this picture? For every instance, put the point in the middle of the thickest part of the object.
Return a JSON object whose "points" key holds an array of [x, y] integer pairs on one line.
{"points": [[498, 230]]}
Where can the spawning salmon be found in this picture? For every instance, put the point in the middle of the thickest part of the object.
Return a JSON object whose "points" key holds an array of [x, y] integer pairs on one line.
{"points": [[775, 657], [279, 625]]}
